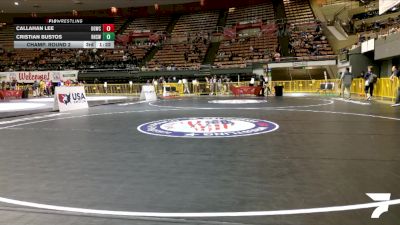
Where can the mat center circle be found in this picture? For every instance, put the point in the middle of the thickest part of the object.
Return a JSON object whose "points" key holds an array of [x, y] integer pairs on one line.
{"points": [[208, 127]]}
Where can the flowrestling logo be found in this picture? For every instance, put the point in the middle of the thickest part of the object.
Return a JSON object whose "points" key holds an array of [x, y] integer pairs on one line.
{"points": [[208, 127]]}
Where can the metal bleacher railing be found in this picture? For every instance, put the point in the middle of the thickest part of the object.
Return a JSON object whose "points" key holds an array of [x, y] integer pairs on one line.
{"points": [[384, 89]]}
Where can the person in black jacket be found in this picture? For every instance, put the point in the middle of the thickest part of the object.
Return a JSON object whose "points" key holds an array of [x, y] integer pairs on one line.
{"points": [[370, 80]]}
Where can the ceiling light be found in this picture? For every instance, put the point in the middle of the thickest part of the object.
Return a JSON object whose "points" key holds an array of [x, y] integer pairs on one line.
{"points": [[114, 10], [16, 3]]}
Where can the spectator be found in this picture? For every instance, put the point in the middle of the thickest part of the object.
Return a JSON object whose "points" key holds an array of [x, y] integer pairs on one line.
{"points": [[35, 88], [185, 86], [13, 84], [277, 57], [42, 87], [252, 81], [49, 85], [3, 85], [351, 26], [396, 73], [346, 79], [370, 79]]}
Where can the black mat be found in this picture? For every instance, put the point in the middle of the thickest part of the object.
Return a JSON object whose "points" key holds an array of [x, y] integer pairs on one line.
{"points": [[325, 153]]}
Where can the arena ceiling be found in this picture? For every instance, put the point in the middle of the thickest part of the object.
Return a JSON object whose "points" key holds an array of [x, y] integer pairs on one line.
{"points": [[50, 6]]}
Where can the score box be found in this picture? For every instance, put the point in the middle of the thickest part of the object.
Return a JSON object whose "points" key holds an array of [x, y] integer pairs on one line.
{"points": [[108, 36], [108, 28]]}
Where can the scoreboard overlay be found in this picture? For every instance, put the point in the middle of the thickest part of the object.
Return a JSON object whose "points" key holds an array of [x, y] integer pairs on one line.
{"points": [[64, 33]]}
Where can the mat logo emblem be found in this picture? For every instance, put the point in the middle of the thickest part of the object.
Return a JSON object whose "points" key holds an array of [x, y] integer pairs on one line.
{"points": [[208, 127]]}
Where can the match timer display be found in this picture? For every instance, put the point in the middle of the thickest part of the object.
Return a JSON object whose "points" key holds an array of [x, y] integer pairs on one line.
{"points": [[64, 33]]}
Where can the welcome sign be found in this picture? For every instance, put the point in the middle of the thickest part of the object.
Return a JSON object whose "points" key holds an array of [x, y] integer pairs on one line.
{"points": [[30, 76], [70, 98]]}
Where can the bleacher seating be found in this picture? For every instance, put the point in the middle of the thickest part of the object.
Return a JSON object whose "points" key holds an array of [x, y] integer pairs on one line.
{"points": [[186, 46], [192, 24], [239, 52], [190, 37], [298, 11], [7, 36], [153, 24], [264, 12], [242, 51], [306, 41], [173, 55], [118, 22], [378, 26]]}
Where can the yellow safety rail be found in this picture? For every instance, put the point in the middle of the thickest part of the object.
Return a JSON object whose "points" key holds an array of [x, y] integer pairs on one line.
{"points": [[304, 86], [384, 88], [113, 89]]}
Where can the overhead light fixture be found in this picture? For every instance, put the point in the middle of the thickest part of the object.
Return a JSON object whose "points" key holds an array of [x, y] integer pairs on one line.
{"points": [[16, 3], [114, 10]]}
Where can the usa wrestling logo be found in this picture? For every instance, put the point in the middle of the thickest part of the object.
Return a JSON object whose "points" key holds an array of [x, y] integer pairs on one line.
{"points": [[208, 127], [64, 98]]}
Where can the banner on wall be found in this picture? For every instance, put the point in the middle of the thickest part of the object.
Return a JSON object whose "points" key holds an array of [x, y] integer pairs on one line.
{"points": [[70, 98], [31, 76], [385, 5]]}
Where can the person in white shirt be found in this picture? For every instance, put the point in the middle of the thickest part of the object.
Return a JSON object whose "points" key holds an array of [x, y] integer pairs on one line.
{"points": [[185, 86], [252, 81], [195, 85]]}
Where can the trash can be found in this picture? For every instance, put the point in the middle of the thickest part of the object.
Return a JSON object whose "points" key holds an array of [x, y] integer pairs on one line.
{"points": [[278, 90]]}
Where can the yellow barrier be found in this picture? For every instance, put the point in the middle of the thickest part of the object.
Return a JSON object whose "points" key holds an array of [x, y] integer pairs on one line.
{"points": [[384, 88], [113, 89]]}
